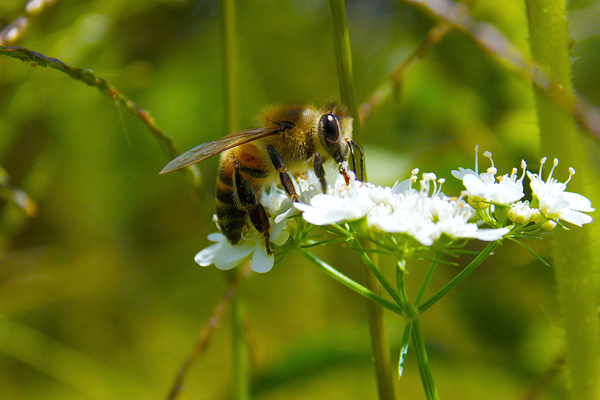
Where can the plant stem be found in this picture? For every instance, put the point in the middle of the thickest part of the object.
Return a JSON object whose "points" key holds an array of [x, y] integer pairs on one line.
{"points": [[460, 277], [341, 41], [88, 77], [240, 351], [369, 263], [349, 283], [241, 376], [230, 67], [423, 361], [381, 351], [414, 330], [574, 267], [427, 281]]}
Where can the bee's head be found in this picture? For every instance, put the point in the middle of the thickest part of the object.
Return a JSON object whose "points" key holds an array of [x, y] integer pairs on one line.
{"points": [[335, 131]]}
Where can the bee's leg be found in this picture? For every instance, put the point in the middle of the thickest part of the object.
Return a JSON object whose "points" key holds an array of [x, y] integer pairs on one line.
{"points": [[353, 144], [279, 165], [260, 220], [248, 201], [244, 194], [319, 171]]}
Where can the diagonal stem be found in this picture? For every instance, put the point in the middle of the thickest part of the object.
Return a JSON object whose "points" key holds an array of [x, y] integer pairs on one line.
{"points": [[349, 283], [460, 277], [413, 329]]}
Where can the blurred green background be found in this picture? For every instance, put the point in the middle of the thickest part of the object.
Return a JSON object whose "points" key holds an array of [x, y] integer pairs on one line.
{"points": [[100, 297]]}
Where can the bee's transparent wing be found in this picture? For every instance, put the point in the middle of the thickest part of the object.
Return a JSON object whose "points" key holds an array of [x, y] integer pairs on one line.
{"points": [[207, 150]]}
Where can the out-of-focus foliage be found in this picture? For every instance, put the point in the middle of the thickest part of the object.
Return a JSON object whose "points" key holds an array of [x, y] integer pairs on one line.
{"points": [[99, 295]]}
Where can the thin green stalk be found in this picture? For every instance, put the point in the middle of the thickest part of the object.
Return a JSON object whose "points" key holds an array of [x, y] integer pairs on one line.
{"points": [[369, 263], [416, 335], [381, 350], [427, 281], [576, 270], [379, 339], [460, 277], [230, 67], [341, 41], [241, 376], [88, 77], [240, 350], [423, 361], [408, 309], [349, 283]]}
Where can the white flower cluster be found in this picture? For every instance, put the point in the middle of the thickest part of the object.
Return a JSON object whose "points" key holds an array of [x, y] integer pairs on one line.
{"points": [[423, 214], [554, 203], [550, 203], [225, 256]]}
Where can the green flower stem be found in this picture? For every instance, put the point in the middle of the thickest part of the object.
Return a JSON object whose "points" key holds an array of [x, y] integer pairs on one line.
{"points": [[381, 351], [349, 283], [460, 277], [423, 361], [241, 376], [409, 311], [414, 330], [240, 350], [427, 280], [341, 40], [384, 282], [572, 255], [379, 337], [230, 67]]}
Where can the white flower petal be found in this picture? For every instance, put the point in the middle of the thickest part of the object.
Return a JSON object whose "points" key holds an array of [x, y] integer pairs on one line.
{"points": [[575, 217], [289, 213], [578, 202], [261, 261], [224, 266], [216, 237], [235, 253], [462, 172], [555, 203], [475, 186], [281, 239], [207, 256], [327, 209], [425, 240], [490, 235]]}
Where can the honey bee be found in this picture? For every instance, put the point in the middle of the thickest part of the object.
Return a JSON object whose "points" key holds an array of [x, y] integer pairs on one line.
{"points": [[295, 137]]}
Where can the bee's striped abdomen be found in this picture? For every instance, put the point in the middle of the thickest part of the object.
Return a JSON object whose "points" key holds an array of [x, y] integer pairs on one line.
{"points": [[230, 217], [238, 190]]}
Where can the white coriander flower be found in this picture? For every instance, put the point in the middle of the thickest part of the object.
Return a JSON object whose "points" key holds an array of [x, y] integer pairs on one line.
{"points": [[346, 203], [428, 214], [424, 214], [486, 188], [522, 213], [306, 188], [556, 204], [225, 256]]}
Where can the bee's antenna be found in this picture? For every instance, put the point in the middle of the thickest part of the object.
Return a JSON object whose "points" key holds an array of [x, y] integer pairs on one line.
{"points": [[353, 144]]}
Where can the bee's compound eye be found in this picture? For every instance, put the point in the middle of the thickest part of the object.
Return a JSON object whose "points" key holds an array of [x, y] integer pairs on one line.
{"points": [[331, 127]]}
